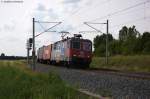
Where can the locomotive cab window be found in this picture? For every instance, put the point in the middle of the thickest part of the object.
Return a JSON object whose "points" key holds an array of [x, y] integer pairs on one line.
{"points": [[76, 44], [87, 46]]}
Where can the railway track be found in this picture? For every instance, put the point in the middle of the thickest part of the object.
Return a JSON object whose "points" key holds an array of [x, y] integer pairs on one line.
{"points": [[118, 84], [129, 74], [135, 75]]}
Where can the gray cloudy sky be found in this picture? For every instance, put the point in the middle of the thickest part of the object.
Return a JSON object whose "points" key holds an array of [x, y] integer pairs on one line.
{"points": [[16, 19]]}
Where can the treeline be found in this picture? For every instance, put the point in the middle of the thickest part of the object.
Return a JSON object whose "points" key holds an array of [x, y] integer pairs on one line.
{"points": [[130, 42], [12, 58], [3, 57]]}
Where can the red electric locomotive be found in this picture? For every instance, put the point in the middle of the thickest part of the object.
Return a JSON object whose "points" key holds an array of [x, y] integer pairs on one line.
{"points": [[69, 51]]}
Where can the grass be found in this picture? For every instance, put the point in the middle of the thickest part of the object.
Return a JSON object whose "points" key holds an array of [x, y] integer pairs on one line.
{"points": [[138, 63], [19, 82]]}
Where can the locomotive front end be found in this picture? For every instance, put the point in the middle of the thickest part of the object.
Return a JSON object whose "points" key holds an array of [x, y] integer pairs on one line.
{"points": [[81, 52]]}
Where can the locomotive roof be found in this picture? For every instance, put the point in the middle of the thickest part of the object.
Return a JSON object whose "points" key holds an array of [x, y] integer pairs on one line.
{"points": [[66, 40], [71, 39]]}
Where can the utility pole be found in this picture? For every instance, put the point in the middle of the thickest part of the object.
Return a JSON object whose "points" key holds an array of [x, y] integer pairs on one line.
{"points": [[33, 51], [34, 36], [27, 51], [107, 31], [29, 47], [28, 56], [107, 42]]}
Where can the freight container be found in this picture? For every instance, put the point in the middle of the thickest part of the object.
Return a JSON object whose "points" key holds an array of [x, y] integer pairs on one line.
{"points": [[47, 54]]}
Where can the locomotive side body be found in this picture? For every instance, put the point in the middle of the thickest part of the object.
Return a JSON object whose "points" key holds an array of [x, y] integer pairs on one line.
{"points": [[60, 52]]}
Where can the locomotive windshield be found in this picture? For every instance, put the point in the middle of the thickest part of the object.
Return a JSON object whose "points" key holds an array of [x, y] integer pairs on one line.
{"points": [[87, 46], [76, 44]]}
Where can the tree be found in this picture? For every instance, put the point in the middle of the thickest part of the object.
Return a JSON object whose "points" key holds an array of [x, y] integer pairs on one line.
{"points": [[115, 47], [128, 33], [145, 40], [133, 33], [138, 46], [100, 44], [145, 37], [2, 55], [129, 39], [130, 42], [123, 33]]}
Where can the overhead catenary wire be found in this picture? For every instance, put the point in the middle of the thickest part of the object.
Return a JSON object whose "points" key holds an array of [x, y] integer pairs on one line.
{"points": [[80, 9], [45, 22], [131, 21], [48, 29], [122, 10], [89, 32], [41, 25], [92, 27], [115, 13]]}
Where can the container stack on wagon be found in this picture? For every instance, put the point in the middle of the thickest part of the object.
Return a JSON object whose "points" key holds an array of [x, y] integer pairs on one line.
{"points": [[69, 51]]}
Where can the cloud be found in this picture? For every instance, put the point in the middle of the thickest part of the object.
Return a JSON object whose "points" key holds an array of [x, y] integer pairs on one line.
{"points": [[52, 13], [68, 27], [13, 39], [43, 13], [71, 1], [41, 7], [8, 27]]}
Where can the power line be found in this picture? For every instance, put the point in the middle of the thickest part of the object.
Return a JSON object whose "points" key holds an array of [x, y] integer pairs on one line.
{"points": [[78, 10], [45, 22], [139, 19], [133, 12], [92, 27], [107, 27], [89, 32], [41, 25], [122, 10], [112, 28], [48, 29]]}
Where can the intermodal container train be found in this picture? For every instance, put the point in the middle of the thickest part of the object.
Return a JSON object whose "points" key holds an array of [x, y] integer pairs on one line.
{"points": [[70, 51]]}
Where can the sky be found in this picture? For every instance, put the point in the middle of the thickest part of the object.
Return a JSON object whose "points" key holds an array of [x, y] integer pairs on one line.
{"points": [[16, 20]]}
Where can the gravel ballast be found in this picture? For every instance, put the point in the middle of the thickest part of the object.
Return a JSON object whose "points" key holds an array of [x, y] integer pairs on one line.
{"points": [[116, 86]]}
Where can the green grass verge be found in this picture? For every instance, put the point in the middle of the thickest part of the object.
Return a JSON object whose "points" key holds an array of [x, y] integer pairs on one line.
{"points": [[19, 82], [138, 63]]}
